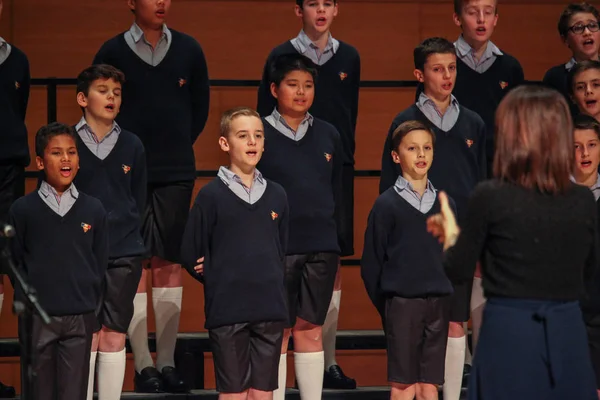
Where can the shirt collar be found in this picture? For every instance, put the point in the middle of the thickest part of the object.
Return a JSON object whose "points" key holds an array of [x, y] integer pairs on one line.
{"points": [[278, 117], [83, 124], [424, 99], [305, 42], [402, 184], [137, 33], [2, 42], [46, 190], [231, 177], [465, 48], [596, 185], [570, 64]]}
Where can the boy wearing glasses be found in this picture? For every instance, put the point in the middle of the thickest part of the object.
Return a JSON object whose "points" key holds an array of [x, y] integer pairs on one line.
{"points": [[578, 29]]}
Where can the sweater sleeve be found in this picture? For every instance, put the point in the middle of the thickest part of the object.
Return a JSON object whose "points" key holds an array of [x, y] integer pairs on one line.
{"points": [[25, 87], [102, 56], [200, 88], [284, 226], [460, 259], [389, 169], [379, 225], [355, 94], [139, 180], [336, 184], [265, 102], [482, 156], [100, 246], [17, 248], [193, 240]]}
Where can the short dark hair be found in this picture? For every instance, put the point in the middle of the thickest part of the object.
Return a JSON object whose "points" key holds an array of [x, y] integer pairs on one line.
{"points": [[98, 71], [405, 128], [434, 45], [459, 4], [569, 11], [47, 132], [584, 121], [300, 3], [287, 63], [579, 68], [534, 139]]}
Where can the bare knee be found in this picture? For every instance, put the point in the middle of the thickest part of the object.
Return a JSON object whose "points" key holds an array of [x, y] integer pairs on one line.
{"points": [[402, 391], [95, 341], [111, 341], [308, 338], [456, 329], [142, 286], [165, 274], [427, 391], [286, 340], [338, 279], [234, 396], [255, 394]]}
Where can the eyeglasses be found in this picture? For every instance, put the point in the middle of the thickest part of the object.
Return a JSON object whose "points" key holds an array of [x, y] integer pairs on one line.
{"points": [[580, 28]]}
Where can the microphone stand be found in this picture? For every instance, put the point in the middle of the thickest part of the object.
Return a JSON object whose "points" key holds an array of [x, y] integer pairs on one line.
{"points": [[25, 307]]}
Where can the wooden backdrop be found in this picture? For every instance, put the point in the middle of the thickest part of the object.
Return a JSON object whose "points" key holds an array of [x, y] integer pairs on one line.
{"points": [[61, 37]]}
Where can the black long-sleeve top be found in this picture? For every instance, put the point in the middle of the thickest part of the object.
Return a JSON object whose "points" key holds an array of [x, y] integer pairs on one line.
{"points": [[531, 245]]}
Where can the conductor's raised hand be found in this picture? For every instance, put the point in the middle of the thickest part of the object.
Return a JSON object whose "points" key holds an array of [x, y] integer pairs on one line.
{"points": [[443, 225]]}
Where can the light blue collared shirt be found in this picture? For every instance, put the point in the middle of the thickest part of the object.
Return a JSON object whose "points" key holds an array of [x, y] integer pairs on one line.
{"points": [[444, 121], [100, 148], [422, 203], [278, 122], [467, 55], [308, 48], [59, 204], [4, 50], [140, 46], [249, 194], [570, 64]]}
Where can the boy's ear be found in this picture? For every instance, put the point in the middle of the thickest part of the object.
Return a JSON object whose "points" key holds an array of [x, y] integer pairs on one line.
{"points": [[395, 157], [39, 163], [297, 10], [224, 144], [419, 75], [82, 100], [273, 87], [131, 5], [456, 19]]}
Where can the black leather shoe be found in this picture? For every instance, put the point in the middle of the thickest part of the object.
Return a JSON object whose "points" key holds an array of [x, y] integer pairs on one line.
{"points": [[172, 382], [466, 375], [334, 378], [148, 381], [6, 392]]}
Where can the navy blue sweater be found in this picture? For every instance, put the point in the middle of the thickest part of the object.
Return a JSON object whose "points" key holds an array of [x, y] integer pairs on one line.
{"points": [[14, 95], [459, 159], [400, 258], [119, 182], [243, 246], [556, 78], [166, 105], [336, 92], [310, 172], [63, 258]]}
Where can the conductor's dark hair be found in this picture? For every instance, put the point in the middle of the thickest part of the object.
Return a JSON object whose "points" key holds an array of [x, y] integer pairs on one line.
{"points": [[572, 9], [584, 122], [300, 3], [407, 127], [434, 45], [98, 71], [47, 132], [577, 69], [286, 63], [534, 139]]}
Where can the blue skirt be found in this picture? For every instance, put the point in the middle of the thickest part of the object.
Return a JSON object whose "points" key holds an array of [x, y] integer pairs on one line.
{"points": [[530, 349]]}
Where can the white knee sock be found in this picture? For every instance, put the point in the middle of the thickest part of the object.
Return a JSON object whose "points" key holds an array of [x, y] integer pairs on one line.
{"points": [[309, 374], [330, 329], [138, 333], [455, 358], [279, 393], [477, 305], [90, 391], [167, 309], [111, 373]]}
